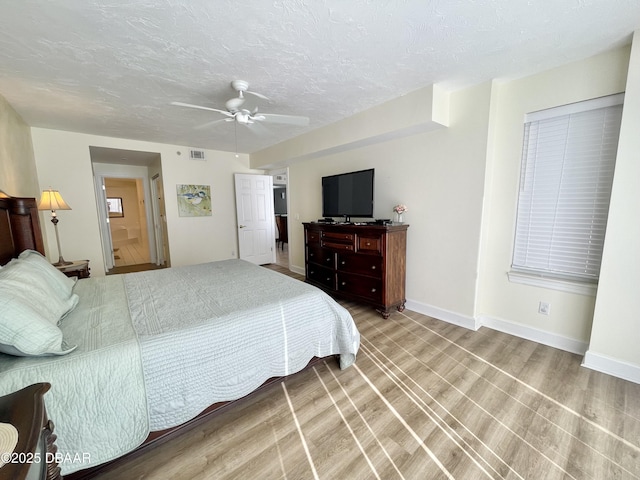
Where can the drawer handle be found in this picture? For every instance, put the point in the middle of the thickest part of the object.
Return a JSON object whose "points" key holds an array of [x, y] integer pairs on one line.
{"points": [[343, 262], [373, 267], [311, 272], [328, 259], [347, 247], [328, 279], [368, 244], [373, 290], [311, 254], [344, 283]]}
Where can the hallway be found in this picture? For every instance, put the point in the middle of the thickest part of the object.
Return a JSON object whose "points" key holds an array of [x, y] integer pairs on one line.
{"points": [[282, 255]]}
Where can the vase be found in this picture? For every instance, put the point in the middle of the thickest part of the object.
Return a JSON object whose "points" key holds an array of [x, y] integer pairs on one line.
{"points": [[399, 218]]}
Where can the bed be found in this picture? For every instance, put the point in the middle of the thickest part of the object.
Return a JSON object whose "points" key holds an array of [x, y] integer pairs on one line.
{"points": [[141, 356]]}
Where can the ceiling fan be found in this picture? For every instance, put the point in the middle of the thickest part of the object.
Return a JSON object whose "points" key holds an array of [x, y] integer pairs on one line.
{"points": [[251, 118]]}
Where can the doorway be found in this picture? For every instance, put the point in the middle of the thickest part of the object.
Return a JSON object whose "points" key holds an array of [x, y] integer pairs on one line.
{"points": [[126, 209], [127, 221], [281, 210]]}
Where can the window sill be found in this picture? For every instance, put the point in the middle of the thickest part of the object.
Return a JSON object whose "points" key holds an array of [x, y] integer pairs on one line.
{"points": [[569, 286]]}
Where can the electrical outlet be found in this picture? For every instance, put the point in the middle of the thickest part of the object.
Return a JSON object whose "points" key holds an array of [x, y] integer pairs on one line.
{"points": [[544, 308]]}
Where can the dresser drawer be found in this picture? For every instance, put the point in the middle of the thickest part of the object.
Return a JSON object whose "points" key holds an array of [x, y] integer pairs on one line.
{"points": [[339, 241], [338, 237], [370, 245], [323, 276], [366, 287], [339, 246], [313, 237], [362, 264], [321, 256]]}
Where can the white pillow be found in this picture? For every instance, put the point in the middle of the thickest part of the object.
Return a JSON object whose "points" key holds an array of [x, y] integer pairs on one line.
{"points": [[23, 332], [29, 283], [58, 280]]}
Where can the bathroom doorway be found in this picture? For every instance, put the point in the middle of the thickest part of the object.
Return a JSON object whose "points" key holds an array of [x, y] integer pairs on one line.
{"points": [[124, 188]]}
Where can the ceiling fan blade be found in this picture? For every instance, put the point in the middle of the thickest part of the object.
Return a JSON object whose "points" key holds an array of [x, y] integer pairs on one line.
{"points": [[285, 119], [258, 129], [256, 94], [211, 124], [180, 104]]}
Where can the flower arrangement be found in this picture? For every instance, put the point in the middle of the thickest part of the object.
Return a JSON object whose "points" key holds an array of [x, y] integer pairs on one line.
{"points": [[400, 209]]}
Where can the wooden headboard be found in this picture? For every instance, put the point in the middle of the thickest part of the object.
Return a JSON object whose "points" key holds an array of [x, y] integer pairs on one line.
{"points": [[19, 227]]}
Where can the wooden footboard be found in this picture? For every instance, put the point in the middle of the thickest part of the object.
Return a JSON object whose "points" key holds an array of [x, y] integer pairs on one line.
{"points": [[157, 438]]}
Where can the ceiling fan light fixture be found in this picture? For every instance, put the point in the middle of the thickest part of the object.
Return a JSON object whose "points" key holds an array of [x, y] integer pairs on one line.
{"points": [[234, 104]]}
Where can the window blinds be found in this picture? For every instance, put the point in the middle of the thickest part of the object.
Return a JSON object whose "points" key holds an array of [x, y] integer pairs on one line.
{"points": [[565, 184]]}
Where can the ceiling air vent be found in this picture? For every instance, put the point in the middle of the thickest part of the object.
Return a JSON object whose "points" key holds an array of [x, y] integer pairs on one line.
{"points": [[196, 154]]}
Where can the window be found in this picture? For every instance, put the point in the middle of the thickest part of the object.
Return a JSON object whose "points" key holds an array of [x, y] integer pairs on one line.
{"points": [[114, 205], [568, 160]]}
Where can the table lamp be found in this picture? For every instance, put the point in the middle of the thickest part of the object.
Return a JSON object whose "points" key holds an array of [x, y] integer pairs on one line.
{"points": [[52, 200]]}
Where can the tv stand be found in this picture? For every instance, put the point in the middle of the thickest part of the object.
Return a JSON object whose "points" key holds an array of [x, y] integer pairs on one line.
{"points": [[365, 263]]}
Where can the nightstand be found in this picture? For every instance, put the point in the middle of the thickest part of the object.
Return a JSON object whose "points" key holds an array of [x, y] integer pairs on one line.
{"points": [[35, 454], [77, 268]]}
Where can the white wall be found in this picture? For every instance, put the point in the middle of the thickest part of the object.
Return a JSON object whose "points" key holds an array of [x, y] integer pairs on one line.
{"points": [[615, 336], [17, 166], [63, 162]]}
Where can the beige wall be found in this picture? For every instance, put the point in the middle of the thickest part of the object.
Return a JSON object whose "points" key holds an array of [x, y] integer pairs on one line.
{"points": [[17, 166], [615, 334], [63, 161]]}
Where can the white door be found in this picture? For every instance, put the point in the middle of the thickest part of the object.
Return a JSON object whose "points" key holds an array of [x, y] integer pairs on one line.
{"points": [[105, 231], [254, 207], [159, 220]]}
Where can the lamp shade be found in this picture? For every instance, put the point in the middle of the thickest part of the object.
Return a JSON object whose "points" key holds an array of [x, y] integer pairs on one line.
{"points": [[52, 200]]}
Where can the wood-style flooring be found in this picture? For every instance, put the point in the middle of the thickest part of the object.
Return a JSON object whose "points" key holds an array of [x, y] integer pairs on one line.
{"points": [[424, 400], [131, 254]]}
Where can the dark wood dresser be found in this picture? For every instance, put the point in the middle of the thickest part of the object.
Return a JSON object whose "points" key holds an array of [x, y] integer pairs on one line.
{"points": [[35, 454], [366, 263]]}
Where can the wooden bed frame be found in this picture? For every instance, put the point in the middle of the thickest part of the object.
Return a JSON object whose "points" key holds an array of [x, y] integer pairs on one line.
{"points": [[20, 230], [19, 227]]}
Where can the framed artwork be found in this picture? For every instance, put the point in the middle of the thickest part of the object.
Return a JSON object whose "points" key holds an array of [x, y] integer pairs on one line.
{"points": [[115, 207], [194, 200]]}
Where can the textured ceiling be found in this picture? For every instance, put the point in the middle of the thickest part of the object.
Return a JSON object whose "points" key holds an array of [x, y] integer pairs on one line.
{"points": [[112, 68]]}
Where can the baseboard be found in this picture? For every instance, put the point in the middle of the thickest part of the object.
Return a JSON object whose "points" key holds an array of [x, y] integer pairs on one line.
{"points": [[444, 315], [298, 270], [540, 336], [521, 331], [611, 366]]}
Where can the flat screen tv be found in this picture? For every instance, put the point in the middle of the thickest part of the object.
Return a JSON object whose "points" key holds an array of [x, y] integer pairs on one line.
{"points": [[348, 195]]}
